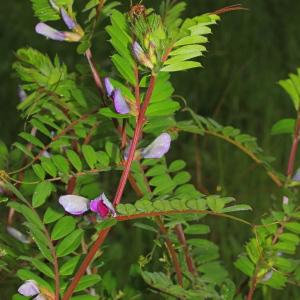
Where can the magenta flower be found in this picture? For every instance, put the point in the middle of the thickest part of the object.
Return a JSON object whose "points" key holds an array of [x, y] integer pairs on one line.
{"points": [[29, 288], [49, 32], [141, 56], [103, 207], [158, 148], [108, 86], [71, 24], [120, 103], [74, 205]]}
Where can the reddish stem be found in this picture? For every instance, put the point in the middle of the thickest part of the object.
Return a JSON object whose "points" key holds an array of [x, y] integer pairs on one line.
{"points": [[293, 152], [102, 234], [181, 238]]}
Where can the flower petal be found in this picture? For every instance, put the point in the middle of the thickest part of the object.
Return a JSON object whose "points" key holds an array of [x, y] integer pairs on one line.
{"points": [[296, 177], [120, 104], [94, 204], [102, 206], [71, 24], [40, 297], [141, 56], [109, 205], [29, 288], [75, 205], [49, 32], [108, 86], [21, 237], [158, 148]]}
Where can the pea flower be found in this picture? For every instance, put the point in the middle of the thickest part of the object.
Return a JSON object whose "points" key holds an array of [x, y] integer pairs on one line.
{"points": [[296, 177], [103, 207], [141, 56], [158, 148], [108, 86], [17, 235], [71, 24], [29, 288], [73, 204], [120, 103]]}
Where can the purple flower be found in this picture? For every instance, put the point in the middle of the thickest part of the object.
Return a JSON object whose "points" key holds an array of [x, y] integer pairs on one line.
{"points": [[140, 55], [71, 24], [120, 104], [158, 148], [74, 205], [102, 206], [108, 86], [29, 288], [49, 32]]}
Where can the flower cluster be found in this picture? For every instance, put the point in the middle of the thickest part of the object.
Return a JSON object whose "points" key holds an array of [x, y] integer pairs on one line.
{"points": [[77, 205], [120, 104], [70, 36]]}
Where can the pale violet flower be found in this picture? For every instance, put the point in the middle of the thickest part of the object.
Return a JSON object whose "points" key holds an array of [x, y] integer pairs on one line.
{"points": [[285, 200], [71, 24], [29, 288], [53, 34], [18, 235], [296, 177], [49, 32], [141, 56], [267, 276], [22, 94], [120, 103], [158, 148], [73, 204], [103, 207], [108, 86]]}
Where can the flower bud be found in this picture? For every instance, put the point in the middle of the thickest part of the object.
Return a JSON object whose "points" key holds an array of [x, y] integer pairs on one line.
{"points": [[49, 32], [158, 148], [120, 103], [103, 207], [18, 235], [141, 56], [108, 86], [74, 205], [71, 24]]}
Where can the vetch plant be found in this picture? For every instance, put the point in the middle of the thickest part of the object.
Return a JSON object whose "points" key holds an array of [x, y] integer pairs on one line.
{"points": [[93, 130]]}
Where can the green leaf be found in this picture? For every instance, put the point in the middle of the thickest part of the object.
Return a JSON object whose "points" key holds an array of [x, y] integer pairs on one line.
{"points": [[184, 65], [177, 165], [156, 170], [197, 229], [244, 264], [52, 214], [63, 227], [87, 281], [191, 40], [124, 68], [23, 149], [126, 209], [70, 243], [293, 226], [215, 203], [89, 155], [238, 207], [39, 171], [61, 163], [41, 127], [41, 193], [290, 88], [31, 139], [48, 166], [69, 267], [42, 267], [74, 160], [106, 224], [182, 178], [283, 126], [24, 275]]}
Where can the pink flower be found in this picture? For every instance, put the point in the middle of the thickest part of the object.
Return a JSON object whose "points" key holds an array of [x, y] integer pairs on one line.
{"points": [[103, 207]]}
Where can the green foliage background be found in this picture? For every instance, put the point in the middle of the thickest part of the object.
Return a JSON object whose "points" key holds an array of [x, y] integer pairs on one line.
{"points": [[249, 52]]}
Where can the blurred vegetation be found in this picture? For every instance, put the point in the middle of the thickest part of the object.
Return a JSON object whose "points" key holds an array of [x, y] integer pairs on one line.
{"points": [[250, 51]]}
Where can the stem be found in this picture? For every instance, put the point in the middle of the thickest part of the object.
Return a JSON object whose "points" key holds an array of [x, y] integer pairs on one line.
{"points": [[181, 238], [294, 148], [102, 234], [171, 249]]}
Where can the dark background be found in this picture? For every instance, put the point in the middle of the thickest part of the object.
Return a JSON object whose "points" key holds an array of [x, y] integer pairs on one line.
{"points": [[248, 53]]}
